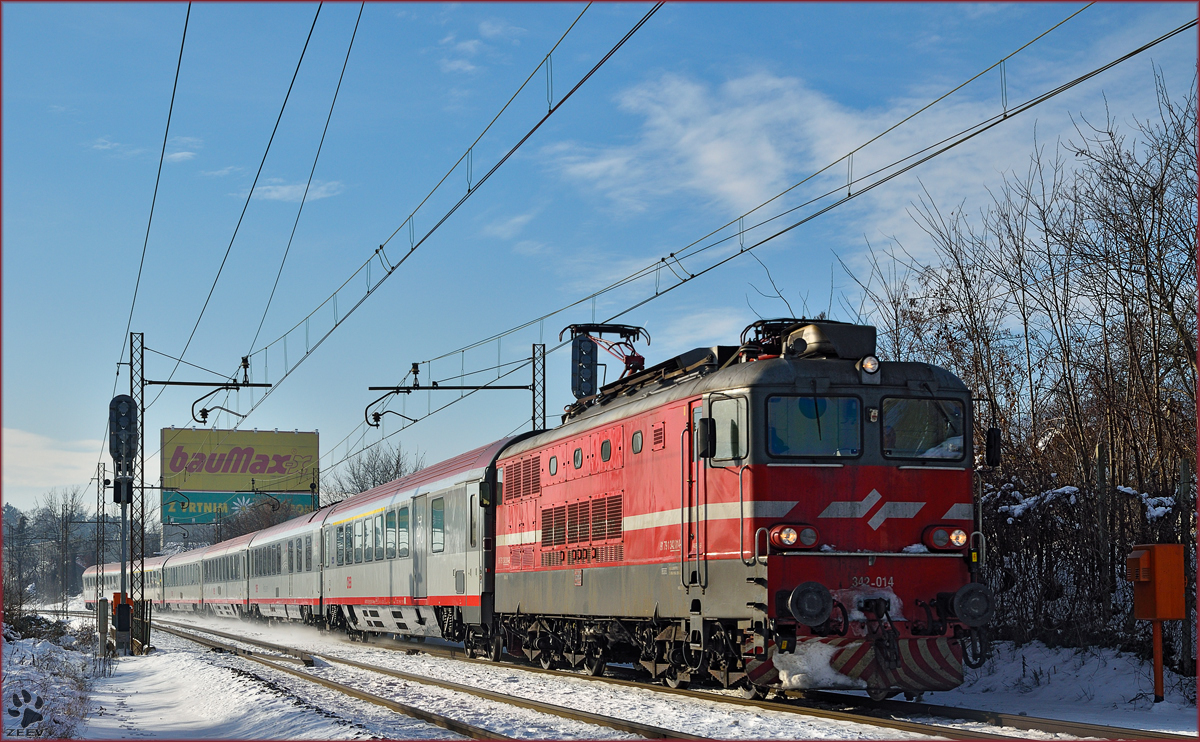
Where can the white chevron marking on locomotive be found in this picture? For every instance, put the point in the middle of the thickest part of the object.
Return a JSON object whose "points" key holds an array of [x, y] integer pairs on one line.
{"points": [[894, 510], [960, 511], [850, 509]]}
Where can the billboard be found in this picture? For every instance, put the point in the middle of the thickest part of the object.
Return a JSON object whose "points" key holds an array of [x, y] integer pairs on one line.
{"points": [[180, 507], [209, 460]]}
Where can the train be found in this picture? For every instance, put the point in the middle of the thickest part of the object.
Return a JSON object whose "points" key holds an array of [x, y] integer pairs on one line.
{"points": [[788, 512]]}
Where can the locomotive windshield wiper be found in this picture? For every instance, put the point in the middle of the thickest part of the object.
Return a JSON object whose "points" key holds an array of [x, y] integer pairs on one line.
{"points": [[816, 410]]}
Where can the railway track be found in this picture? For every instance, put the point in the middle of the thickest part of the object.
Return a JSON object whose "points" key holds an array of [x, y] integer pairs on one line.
{"points": [[620, 724], [833, 706], [292, 655], [800, 702]]}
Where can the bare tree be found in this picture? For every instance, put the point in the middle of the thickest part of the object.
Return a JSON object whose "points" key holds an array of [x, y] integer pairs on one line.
{"points": [[377, 465]]}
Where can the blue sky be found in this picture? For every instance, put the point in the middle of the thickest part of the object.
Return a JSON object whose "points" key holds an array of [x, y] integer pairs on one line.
{"points": [[707, 111]]}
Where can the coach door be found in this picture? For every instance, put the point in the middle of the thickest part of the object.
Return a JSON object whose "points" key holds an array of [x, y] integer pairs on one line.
{"points": [[693, 501], [420, 558]]}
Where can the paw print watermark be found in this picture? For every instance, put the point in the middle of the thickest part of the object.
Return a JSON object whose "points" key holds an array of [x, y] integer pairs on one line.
{"points": [[26, 707]]}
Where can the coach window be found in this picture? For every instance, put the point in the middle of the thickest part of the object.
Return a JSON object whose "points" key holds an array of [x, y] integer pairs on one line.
{"points": [[402, 532], [359, 538], [291, 558], [299, 554], [379, 536], [368, 540], [578, 458], [437, 525], [390, 531], [553, 465], [308, 553], [341, 545], [729, 414], [606, 450], [637, 441], [807, 425]]}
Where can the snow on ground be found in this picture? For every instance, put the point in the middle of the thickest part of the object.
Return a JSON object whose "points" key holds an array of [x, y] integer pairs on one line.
{"points": [[1098, 686], [185, 692]]}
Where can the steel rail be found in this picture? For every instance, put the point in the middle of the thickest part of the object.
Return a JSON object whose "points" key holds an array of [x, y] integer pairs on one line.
{"points": [[292, 654], [1028, 723], [445, 722], [1032, 723]]}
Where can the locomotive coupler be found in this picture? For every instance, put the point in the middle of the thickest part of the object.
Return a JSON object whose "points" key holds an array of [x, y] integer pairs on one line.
{"points": [[882, 632], [975, 643], [932, 626], [836, 625]]}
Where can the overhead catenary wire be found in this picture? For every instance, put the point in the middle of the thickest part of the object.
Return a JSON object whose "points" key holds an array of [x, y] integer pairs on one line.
{"points": [[311, 172], [245, 206], [938, 149], [450, 212], [742, 230], [150, 219]]}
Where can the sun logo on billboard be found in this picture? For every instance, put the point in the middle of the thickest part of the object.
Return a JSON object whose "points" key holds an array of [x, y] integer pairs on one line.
{"points": [[241, 503]]}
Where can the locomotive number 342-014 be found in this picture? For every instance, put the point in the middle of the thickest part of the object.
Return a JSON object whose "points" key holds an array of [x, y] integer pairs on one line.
{"points": [[872, 581]]}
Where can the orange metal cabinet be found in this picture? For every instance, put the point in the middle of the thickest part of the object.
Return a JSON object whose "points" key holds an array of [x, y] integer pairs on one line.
{"points": [[1156, 571]]}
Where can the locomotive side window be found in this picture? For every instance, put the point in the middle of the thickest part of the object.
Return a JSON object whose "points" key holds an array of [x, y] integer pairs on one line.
{"points": [[578, 458], [391, 534], [606, 450], [437, 525], [637, 441], [402, 533], [379, 536], [922, 429], [553, 465], [806, 425], [729, 413]]}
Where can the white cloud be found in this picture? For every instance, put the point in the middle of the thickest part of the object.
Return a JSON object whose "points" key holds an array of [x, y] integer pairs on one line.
{"points": [[508, 228], [223, 171], [295, 192], [35, 463], [179, 156], [456, 65], [186, 142], [469, 47], [492, 29], [104, 144]]}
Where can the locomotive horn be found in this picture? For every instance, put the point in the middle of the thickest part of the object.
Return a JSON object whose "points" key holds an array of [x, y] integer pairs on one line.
{"points": [[811, 603], [974, 604]]}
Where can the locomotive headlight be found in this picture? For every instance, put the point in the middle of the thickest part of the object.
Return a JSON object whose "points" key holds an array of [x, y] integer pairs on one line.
{"points": [[958, 537], [870, 364], [786, 536], [940, 538], [808, 536], [793, 537]]}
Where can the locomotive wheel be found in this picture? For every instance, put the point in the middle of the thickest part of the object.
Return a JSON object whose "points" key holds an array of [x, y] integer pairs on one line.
{"points": [[671, 680], [752, 692], [495, 649], [545, 660], [881, 694], [594, 666]]}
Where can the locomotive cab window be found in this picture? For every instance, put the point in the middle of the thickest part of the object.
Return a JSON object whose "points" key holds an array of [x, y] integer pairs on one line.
{"points": [[807, 425], [553, 465], [637, 441], [923, 429], [606, 450], [729, 414], [578, 458]]}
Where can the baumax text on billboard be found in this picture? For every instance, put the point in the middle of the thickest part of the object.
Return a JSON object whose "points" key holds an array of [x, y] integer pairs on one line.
{"points": [[238, 461]]}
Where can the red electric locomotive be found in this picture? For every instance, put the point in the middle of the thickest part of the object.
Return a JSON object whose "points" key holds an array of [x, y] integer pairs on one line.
{"points": [[791, 512]]}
